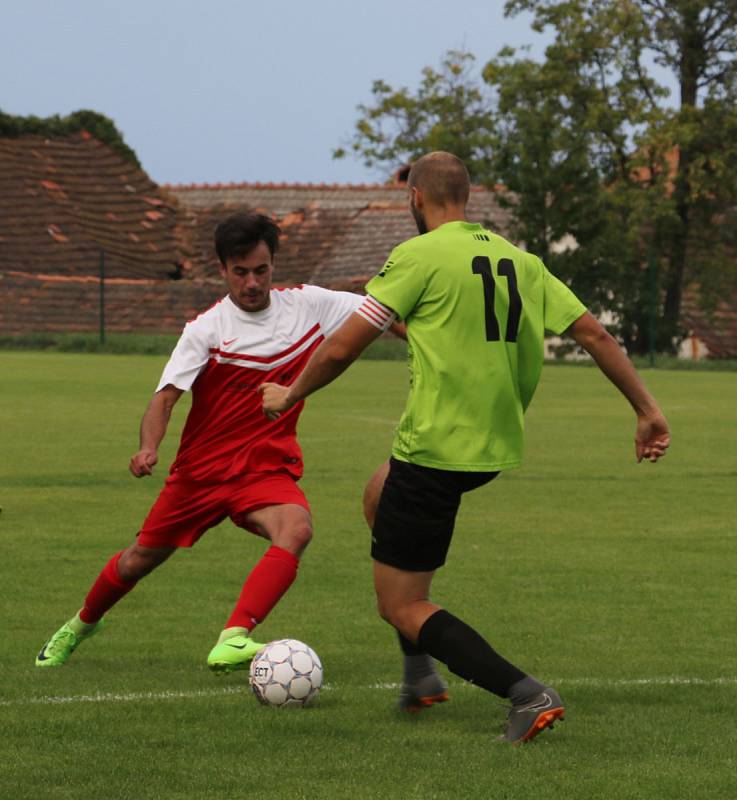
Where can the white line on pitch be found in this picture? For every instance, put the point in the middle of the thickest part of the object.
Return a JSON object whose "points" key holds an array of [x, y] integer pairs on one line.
{"points": [[113, 697], [132, 697]]}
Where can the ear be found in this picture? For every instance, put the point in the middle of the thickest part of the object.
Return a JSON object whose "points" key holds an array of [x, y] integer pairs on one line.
{"points": [[417, 197]]}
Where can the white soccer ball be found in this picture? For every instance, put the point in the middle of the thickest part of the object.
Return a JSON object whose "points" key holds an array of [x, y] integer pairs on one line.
{"points": [[286, 672]]}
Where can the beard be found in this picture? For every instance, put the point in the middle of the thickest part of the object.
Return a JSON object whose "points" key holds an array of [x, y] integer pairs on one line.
{"points": [[419, 218]]}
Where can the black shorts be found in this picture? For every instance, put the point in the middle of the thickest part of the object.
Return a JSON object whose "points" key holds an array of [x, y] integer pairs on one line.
{"points": [[416, 514]]}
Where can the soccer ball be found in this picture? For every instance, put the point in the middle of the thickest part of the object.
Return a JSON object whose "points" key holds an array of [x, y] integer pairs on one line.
{"points": [[286, 673]]}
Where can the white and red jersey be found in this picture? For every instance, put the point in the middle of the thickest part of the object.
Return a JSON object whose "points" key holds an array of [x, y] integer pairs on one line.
{"points": [[224, 355]]}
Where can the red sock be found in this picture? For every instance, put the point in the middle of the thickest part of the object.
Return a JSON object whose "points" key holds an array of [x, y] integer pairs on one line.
{"points": [[105, 592], [264, 587]]}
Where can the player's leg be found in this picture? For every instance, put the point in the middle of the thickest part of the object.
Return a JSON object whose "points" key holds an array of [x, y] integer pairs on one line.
{"points": [[181, 513], [411, 536], [422, 684], [372, 493], [275, 508], [402, 598], [117, 578]]}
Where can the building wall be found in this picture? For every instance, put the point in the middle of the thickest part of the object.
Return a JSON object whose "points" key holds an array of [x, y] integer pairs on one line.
{"points": [[49, 304]]}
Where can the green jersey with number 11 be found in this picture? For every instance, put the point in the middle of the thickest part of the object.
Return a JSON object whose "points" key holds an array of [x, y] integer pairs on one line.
{"points": [[476, 309]]}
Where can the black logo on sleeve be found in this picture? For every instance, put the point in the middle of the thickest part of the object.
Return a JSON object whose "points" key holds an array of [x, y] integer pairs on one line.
{"points": [[389, 264]]}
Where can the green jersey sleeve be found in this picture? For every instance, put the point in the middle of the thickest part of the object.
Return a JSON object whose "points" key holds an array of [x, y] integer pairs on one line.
{"points": [[400, 283], [562, 307]]}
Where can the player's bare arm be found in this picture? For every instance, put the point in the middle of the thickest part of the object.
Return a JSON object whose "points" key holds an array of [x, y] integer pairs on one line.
{"points": [[652, 437], [399, 329], [330, 359], [153, 428]]}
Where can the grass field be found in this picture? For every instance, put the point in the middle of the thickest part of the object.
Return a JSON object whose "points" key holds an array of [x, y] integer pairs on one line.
{"points": [[615, 581]]}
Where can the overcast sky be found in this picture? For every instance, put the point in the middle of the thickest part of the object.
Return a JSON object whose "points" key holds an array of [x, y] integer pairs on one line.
{"points": [[234, 90]]}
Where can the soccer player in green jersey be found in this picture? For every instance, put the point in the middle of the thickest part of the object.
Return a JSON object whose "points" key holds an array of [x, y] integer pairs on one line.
{"points": [[476, 309]]}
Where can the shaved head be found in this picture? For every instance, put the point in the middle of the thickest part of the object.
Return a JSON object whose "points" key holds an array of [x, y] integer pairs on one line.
{"points": [[442, 178]]}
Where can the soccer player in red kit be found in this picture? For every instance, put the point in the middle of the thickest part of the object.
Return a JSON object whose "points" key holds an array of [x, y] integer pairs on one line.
{"points": [[231, 461]]}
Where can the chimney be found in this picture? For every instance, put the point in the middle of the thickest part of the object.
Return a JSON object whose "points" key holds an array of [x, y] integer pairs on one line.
{"points": [[399, 178]]}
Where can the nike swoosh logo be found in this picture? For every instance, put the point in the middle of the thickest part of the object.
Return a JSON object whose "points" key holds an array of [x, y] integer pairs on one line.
{"points": [[238, 646], [229, 341], [541, 706], [42, 655]]}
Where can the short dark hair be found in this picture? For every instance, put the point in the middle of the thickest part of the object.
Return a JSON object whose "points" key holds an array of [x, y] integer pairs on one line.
{"points": [[442, 177], [240, 233]]}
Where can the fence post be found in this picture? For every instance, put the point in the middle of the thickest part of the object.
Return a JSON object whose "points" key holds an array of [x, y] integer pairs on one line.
{"points": [[652, 310], [102, 297]]}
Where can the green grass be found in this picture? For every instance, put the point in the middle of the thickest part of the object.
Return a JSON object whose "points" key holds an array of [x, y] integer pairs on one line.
{"points": [[606, 577], [386, 348]]}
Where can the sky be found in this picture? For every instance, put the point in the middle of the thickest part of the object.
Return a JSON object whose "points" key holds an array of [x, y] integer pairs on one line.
{"points": [[235, 90]]}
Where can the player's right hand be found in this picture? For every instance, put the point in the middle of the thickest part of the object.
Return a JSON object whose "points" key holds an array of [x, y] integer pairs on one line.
{"points": [[143, 463]]}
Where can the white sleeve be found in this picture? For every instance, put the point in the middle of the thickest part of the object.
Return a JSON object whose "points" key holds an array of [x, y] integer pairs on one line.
{"points": [[187, 360], [332, 308]]}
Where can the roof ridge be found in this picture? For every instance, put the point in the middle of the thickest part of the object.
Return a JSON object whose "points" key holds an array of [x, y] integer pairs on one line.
{"points": [[296, 185], [280, 185]]}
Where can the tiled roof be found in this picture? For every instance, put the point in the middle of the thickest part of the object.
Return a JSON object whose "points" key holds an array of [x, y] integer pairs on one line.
{"points": [[333, 235], [63, 200], [281, 198], [364, 246], [309, 239]]}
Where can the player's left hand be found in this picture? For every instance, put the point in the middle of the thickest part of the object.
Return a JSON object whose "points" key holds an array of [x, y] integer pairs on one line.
{"points": [[652, 438], [274, 399]]}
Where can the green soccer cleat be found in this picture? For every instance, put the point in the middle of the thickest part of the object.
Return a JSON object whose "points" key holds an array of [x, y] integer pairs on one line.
{"points": [[62, 644], [232, 654]]}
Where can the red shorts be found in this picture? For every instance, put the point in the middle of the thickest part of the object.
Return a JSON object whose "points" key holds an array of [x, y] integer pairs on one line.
{"points": [[185, 510]]}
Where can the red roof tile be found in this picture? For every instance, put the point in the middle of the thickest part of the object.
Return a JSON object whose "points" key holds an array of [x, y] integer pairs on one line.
{"points": [[331, 235], [64, 200]]}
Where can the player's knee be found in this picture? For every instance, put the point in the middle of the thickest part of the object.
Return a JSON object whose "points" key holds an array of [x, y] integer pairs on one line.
{"points": [[398, 615], [296, 539], [130, 568], [135, 563], [303, 535]]}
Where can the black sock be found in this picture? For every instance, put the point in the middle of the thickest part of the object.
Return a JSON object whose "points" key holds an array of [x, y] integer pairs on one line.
{"points": [[467, 654], [417, 663], [408, 648]]}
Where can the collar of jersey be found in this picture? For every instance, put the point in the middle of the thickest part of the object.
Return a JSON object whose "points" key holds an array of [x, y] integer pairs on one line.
{"points": [[469, 226], [249, 315]]}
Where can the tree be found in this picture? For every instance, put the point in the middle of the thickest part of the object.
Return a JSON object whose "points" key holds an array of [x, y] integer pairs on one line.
{"points": [[671, 172], [449, 111], [593, 150], [100, 126]]}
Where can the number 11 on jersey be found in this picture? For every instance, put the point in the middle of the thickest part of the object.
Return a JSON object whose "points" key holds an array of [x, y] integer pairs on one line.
{"points": [[481, 265]]}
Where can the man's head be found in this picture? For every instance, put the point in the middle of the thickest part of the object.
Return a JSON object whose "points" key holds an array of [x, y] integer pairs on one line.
{"points": [[246, 244], [437, 182]]}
